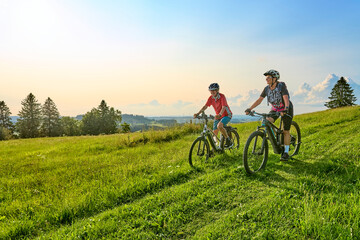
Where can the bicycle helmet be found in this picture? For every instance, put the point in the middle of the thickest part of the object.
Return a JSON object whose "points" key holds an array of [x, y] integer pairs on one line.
{"points": [[273, 73], [214, 86]]}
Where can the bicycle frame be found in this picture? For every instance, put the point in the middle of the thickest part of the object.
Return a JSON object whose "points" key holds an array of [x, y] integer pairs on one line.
{"points": [[272, 132], [208, 133]]}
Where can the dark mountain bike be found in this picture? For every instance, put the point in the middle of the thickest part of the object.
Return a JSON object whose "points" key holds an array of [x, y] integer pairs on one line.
{"points": [[207, 144], [256, 149]]}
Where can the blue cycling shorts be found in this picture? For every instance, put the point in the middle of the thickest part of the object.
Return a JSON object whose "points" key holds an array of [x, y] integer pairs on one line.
{"points": [[225, 120]]}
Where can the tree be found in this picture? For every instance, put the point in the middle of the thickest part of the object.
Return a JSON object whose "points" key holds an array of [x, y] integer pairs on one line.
{"points": [[91, 122], [109, 118], [341, 95], [6, 125], [70, 126], [28, 125], [50, 125], [125, 127], [101, 120]]}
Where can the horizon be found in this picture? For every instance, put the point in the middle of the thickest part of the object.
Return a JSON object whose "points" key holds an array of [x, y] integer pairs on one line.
{"points": [[178, 116], [158, 58]]}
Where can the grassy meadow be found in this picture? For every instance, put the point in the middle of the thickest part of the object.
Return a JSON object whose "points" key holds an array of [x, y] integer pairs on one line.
{"points": [[140, 186]]}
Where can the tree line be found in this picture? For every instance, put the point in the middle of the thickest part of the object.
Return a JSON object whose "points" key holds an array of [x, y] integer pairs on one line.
{"points": [[36, 120]]}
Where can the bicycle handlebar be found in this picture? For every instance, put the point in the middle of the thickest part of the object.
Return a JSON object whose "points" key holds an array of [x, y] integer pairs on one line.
{"points": [[252, 113], [204, 116]]}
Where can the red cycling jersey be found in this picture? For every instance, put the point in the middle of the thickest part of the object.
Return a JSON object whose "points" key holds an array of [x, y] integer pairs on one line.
{"points": [[218, 102]]}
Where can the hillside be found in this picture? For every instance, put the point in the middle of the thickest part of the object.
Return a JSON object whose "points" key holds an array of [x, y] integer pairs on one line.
{"points": [[140, 185]]}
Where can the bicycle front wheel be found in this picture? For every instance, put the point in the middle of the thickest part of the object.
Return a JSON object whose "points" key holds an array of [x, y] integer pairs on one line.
{"points": [[199, 152], [255, 152]]}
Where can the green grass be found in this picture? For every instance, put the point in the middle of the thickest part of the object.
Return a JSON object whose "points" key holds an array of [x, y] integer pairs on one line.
{"points": [[141, 186]]}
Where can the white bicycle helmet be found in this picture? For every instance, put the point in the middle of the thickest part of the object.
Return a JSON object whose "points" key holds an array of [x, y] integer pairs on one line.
{"points": [[273, 73]]}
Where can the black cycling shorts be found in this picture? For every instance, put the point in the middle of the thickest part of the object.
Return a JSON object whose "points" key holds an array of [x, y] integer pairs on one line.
{"points": [[286, 119]]}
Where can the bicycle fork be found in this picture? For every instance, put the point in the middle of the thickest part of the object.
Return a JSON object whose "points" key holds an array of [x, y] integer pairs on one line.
{"points": [[262, 146], [201, 148]]}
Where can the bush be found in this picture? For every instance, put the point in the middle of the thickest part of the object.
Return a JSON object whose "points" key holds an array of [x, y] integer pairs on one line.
{"points": [[5, 134]]}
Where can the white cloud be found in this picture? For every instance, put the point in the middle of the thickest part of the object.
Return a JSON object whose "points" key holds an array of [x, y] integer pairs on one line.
{"points": [[303, 89], [244, 100], [320, 93], [309, 99], [239, 103], [155, 108], [154, 103], [180, 104]]}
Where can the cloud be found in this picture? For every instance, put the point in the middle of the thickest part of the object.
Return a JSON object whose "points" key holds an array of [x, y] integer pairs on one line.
{"points": [[180, 104], [303, 89], [239, 103], [320, 93], [244, 100], [154, 103], [155, 108]]}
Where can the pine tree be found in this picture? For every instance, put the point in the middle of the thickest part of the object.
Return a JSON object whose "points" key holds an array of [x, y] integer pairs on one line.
{"points": [[5, 119], [50, 126], [125, 127], [101, 120], [104, 120], [29, 122], [341, 95], [6, 126], [109, 118]]}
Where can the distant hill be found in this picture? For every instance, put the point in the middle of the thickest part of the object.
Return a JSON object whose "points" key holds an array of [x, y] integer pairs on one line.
{"points": [[14, 118], [135, 119], [128, 118], [79, 117], [187, 119], [163, 120]]}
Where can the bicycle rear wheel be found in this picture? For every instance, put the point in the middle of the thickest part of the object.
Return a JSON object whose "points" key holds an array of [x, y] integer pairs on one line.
{"points": [[199, 152], [234, 135], [255, 152], [295, 139]]}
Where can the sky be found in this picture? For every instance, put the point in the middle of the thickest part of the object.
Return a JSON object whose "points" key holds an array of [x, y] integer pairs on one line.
{"points": [[158, 57]]}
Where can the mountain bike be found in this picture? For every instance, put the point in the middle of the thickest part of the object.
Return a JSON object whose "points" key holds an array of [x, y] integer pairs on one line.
{"points": [[207, 144], [256, 149]]}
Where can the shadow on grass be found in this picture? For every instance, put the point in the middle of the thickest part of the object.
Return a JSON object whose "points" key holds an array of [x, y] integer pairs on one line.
{"points": [[325, 174]]}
